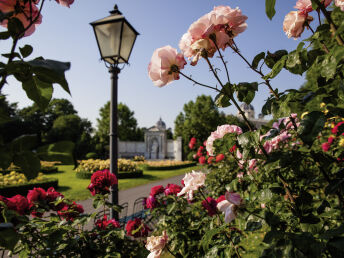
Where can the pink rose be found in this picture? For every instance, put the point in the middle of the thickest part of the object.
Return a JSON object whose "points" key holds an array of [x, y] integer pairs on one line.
{"points": [[66, 3], [223, 22], [192, 181], [155, 244], [305, 6], [24, 16], [294, 23], [160, 66], [234, 198], [219, 133], [340, 4]]}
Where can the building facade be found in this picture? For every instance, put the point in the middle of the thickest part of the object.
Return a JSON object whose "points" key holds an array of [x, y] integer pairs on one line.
{"points": [[155, 146]]}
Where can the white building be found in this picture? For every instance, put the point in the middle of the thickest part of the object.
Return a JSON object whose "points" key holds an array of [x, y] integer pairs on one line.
{"points": [[155, 146]]}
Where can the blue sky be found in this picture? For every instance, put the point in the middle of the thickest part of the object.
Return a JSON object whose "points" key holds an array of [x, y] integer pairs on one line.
{"points": [[65, 35]]}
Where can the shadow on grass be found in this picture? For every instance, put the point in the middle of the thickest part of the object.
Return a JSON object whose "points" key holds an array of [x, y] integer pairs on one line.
{"points": [[149, 177], [63, 188]]}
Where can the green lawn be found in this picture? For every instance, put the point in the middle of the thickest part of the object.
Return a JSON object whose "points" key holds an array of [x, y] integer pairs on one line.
{"points": [[75, 188]]}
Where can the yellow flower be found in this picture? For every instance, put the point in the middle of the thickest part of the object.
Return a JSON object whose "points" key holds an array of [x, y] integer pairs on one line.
{"points": [[341, 142], [303, 114], [322, 104]]}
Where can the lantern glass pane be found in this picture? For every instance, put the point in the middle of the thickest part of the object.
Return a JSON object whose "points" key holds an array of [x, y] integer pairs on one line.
{"points": [[128, 39], [108, 36]]}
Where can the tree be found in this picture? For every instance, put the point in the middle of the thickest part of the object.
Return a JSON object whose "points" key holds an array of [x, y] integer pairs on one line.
{"points": [[127, 127], [198, 120], [73, 128]]}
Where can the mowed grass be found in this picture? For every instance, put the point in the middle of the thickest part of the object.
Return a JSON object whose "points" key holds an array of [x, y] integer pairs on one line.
{"points": [[75, 188]]}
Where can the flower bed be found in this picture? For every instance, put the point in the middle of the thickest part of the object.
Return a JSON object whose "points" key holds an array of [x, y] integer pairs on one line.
{"points": [[49, 167], [16, 183], [121, 174], [11, 190], [166, 165], [127, 168]]}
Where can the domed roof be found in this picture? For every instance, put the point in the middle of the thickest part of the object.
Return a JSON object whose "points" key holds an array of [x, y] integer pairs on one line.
{"points": [[246, 107], [160, 124]]}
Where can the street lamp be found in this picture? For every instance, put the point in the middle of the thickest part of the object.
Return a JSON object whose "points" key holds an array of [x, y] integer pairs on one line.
{"points": [[115, 37]]}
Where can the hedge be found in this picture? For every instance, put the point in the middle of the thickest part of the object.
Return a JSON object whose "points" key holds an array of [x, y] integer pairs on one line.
{"points": [[121, 174], [9, 191], [147, 167]]}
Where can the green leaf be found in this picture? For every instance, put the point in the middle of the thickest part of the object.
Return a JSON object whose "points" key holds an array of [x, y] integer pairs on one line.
{"points": [[222, 100], [272, 58], [8, 237], [206, 239], [294, 63], [58, 151], [328, 67], [28, 162], [51, 71], [253, 225], [4, 35], [265, 196], [26, 50], [14, 54], [257, 59], [15, 27], [38, 91], [270, 8], [246, 91], [312, 124], [24, 143], [276, 68]]}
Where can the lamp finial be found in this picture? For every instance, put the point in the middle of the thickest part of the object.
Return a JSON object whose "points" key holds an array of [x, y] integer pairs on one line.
{"points": [[115, 10]]}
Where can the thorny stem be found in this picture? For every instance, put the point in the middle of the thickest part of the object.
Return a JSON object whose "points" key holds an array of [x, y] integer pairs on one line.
{"points": [[267, 82], [223, 61], [323, 44], [168, 249], [229, 95], [319, 19], [235, 248], [328, 17], [15, 41], [198, 83]]}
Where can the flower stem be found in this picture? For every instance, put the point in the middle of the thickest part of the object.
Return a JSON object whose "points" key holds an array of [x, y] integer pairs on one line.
{"points": [[198, 83], [267, 82], [328, 17]]}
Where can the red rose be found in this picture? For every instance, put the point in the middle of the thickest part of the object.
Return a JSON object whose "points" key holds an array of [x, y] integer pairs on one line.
{"points": [[326, 146], [210, 159], [219, 157], [172, 189], [336, 128], [36, 195], [151, 202], [104, 223], [210, 205], [70, 211], [221, 198], [133, 225], [233, 148], [155, 190], [201, 160], [18, 203], [101, 181]]}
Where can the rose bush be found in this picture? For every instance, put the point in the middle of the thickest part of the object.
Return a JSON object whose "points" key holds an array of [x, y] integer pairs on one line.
{"points": [[59, 227], [277, 191]]}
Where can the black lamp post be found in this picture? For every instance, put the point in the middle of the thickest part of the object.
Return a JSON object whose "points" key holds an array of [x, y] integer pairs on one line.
{"points": [[115, 37]]}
